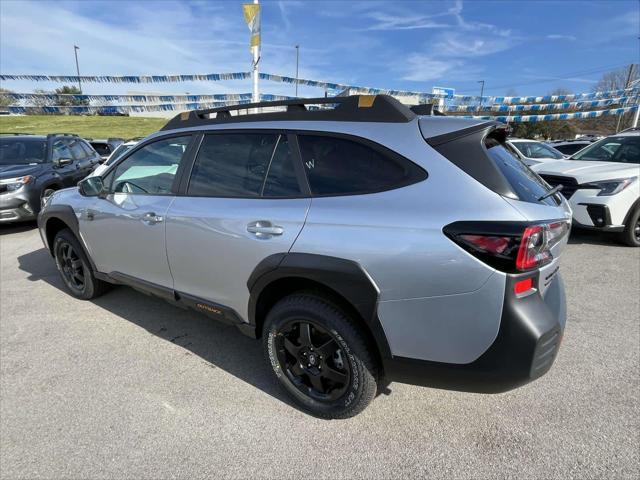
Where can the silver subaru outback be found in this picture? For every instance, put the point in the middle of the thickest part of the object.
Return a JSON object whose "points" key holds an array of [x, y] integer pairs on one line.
{"points": [[364, 243]]}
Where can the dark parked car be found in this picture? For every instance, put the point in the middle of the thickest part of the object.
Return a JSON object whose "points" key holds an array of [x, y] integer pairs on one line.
{"points": [[569, 147], [32, 167], [105, 147]]}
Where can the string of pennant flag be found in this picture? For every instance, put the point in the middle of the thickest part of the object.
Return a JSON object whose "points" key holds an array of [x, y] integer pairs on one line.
{"points": [[221, 97], [124, 109], [540, 107], [214, 77], [557, 116], [236, 97]]}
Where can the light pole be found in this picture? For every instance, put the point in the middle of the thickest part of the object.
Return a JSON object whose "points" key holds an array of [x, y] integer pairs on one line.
{"points": [[481, 90], [297, 64], [75, 50]]}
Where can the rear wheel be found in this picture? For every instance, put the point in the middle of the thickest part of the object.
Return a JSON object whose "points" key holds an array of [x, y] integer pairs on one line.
{"points": [[74, 267], [319, 356], [631, 233]]}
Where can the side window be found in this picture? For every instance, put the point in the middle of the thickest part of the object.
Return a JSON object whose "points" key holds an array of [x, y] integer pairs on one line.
{"points": [[89, 152], [244, 165], [281, 180], [339, 166], [76, 150], [150, 170], [60, 150]]}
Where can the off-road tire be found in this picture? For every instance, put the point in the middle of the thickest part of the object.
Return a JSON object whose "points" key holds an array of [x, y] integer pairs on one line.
{"points": [[71, 259], [363, 374]]}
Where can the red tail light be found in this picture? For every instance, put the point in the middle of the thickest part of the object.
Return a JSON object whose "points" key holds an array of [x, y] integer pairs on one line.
{"points": [[534, 250], [509, 246]]}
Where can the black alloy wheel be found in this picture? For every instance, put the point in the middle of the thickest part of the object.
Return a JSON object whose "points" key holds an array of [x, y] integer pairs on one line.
{"points": [[71, 267], [320, 356], [313, 361]]}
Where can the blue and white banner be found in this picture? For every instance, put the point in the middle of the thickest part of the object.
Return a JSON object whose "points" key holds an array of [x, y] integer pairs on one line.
{"points": [[211, 77], [215, 77], [540, 107], [557, 116], [221, 97], [120, 109]]}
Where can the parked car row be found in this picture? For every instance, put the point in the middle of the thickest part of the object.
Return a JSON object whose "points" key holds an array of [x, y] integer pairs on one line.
{"points": [[601, 184], [32, 167]]}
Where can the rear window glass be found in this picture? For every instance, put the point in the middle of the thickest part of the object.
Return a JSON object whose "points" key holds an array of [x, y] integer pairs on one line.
{"points": [[339, 166], [526, 184], [103, 149]]}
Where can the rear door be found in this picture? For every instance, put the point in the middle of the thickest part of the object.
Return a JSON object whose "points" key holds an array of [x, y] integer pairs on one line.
{"points": [[244, 201]]}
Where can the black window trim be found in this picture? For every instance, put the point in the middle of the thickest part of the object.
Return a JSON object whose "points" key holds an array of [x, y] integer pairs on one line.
{"points": [[296, 158], [185, 169], [187, 157]]}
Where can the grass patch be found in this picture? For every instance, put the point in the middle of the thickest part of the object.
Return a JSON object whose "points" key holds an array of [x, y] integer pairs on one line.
{"points": [[85, 126]]}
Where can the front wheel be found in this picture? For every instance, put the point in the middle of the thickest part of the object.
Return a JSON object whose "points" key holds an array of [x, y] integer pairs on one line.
{"points": [[319, 356], [631, 233], [74, 267]]}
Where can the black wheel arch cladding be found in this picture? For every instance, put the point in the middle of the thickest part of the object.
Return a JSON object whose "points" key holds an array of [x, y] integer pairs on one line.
{"points": [[345, 278]]}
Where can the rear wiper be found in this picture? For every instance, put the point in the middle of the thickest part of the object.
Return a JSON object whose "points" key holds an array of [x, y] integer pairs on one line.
{"points": [[553, 191]]}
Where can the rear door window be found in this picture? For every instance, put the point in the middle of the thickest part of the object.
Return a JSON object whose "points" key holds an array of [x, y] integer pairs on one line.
{"points": [[244, 165], [343, 166]]}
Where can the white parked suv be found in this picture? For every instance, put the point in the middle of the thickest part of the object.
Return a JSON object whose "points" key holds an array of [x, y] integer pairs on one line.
{"points": [[533, 152], [601, 184]]}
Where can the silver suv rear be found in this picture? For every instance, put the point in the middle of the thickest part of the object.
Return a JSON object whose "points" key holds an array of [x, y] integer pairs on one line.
{"points": [[363, 244]]}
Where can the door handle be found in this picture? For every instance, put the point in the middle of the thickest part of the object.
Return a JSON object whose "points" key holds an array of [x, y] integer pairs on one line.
{"points": [[151, 218], [264, 229]]}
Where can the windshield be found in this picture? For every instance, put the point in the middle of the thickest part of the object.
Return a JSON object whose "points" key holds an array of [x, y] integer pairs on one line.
{"points": [[612, 149], [537, 150], [22, 151]]}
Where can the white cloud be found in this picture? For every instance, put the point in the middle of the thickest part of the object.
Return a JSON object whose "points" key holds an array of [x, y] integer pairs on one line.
{"points": [[558, 36], [423, 68]]}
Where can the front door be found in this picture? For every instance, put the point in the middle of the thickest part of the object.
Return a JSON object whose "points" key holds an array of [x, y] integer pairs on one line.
{"points": [[125, 231], [244, 202]]}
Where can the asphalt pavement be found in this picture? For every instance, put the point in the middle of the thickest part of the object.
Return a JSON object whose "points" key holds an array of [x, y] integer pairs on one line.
{"points": [[127, 386]]}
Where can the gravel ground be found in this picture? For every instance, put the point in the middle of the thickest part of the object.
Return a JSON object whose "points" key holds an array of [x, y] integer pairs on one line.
{"points": [[128, 386]]}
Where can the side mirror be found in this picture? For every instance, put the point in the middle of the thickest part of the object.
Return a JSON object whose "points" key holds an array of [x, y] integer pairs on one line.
{"points": [[91, 187], [61, 162]]}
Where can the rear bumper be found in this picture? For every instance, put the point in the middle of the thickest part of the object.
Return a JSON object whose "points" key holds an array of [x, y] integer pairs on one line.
{"points": [[526, 346]]}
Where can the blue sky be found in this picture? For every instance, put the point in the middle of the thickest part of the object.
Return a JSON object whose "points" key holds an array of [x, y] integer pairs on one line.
{"points": [[517, 47]]}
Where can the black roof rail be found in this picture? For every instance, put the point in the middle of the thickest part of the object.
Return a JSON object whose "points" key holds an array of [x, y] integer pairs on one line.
{"points": [[17, 133], [61, 134], [354, 108], [630, 129]]}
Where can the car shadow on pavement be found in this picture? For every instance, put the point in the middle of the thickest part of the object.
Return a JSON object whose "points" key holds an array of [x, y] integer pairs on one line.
{"points": [[581, 236], [9, 228], [219, 346]]}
